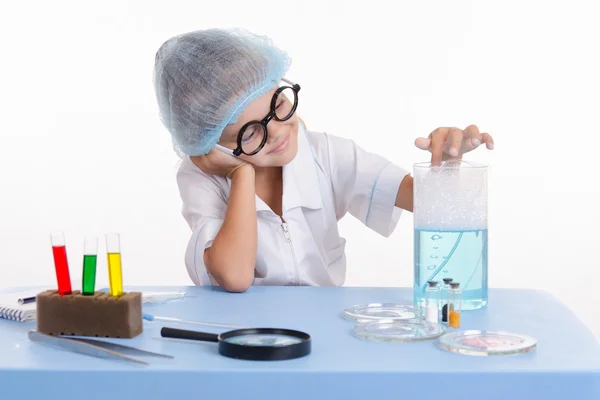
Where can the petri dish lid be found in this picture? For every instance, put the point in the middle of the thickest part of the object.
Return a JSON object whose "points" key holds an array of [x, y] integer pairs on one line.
{"points": [[413, 330], [376, 311], [487, 343]]}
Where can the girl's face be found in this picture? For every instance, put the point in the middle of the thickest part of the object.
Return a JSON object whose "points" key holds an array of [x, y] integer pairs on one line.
{"points": [[282, 136]]}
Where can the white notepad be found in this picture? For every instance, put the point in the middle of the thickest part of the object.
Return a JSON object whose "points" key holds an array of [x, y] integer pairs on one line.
{"points": [[11, 309]]}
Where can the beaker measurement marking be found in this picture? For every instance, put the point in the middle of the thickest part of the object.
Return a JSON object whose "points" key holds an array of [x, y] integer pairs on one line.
{"points": [[460, 235]]}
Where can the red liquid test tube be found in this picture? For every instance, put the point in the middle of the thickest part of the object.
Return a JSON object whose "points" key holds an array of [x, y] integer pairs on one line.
{"points": [[61, 264]]}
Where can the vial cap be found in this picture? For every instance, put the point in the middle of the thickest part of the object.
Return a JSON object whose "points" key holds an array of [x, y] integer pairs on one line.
{"points": [[432, 283], [454, 285], [447, 280]]}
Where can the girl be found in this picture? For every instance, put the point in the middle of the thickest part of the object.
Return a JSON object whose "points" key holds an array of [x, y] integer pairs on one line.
{"points": [[261, 193]]}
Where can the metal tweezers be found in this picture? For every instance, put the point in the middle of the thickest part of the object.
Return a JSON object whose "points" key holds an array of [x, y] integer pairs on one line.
{"points": [[95, 348]]}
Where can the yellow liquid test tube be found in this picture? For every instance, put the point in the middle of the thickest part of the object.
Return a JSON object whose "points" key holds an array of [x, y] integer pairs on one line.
{"points": [[115, 273]]}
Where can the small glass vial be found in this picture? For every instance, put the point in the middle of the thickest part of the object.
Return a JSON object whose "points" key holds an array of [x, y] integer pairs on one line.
{"points": [[432, 302], [454, 305], [444, 298]]}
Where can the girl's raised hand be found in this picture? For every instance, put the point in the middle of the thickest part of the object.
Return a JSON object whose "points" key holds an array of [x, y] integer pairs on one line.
{"points": [[447, 143]]}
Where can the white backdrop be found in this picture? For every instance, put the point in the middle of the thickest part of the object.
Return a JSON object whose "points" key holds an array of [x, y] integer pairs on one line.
{"points": [[82, 149]]}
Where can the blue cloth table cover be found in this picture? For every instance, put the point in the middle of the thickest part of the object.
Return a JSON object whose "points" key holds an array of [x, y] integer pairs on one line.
{"points": [[565, 365]]}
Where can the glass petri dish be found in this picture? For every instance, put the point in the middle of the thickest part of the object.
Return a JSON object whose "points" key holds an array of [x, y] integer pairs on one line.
{"points": [[376, 311], [487, 343], [413, 330]]}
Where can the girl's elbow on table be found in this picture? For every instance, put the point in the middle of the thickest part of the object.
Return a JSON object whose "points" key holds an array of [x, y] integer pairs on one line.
{"points": [[234, 281]]}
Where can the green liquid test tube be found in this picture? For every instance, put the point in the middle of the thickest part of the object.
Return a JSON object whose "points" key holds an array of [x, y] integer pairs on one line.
{"points": [[90, 255]]}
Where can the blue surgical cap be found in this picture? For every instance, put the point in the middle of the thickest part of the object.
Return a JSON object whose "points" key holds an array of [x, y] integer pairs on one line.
{"points": [[204, 80]]}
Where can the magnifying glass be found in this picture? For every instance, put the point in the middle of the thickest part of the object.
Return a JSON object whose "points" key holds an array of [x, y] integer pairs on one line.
{"points": [[260, 344]]}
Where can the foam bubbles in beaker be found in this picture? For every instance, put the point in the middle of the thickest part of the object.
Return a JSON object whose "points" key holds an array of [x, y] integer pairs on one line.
{"points": [[450, 197]]}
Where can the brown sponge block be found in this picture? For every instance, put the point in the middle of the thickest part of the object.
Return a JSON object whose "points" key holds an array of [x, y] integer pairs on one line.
{"points": [[100, 315]]}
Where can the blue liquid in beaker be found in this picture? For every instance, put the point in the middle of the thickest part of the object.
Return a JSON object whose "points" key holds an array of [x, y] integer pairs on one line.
{"points": [[461, 255]]}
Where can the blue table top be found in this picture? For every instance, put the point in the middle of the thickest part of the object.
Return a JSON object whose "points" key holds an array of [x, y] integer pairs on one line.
{"points": [[565, 363]]}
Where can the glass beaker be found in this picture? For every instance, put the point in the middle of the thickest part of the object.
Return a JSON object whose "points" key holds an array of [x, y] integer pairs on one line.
{"points": [[450, 229]]}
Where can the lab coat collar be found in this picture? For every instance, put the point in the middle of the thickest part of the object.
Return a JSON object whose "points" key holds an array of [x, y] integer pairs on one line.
{"points": [[300, 180]]}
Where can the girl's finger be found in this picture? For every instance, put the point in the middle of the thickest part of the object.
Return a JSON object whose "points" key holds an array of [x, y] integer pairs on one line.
{"points": [[423, 143], [488, 140], [438, 139], [455, 139], [472, 133]]}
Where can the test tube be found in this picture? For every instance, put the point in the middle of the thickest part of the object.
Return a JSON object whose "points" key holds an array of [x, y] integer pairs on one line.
{"points": [[432, 302], [90, 255], [444, 297], [454, 305], [61, 263], [113, 253]]}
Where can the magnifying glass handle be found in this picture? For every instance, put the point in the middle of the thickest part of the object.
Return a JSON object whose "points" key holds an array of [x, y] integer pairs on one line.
{"points": [[191, 335]]}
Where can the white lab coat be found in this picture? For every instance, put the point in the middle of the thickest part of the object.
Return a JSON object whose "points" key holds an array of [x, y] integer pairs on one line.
{"points": [[329, 177]]}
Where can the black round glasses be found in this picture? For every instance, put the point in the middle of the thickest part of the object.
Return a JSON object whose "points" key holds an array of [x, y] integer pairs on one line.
{"points": [[254, 134]]}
